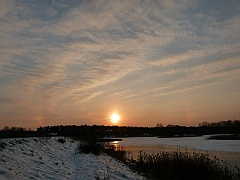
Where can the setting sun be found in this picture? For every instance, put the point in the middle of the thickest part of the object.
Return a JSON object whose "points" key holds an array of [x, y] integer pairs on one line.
{"points": [[115, 118]]}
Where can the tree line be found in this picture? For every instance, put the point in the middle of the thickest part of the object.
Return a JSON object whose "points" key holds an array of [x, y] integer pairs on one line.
{"points": [[100, 131]]}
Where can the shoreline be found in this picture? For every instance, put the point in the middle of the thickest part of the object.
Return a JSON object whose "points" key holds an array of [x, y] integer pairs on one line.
{"points": [[232, 158]]}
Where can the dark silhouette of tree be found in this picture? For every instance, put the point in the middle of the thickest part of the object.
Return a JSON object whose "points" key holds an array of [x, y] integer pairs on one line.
{"points": [[99, 131]]}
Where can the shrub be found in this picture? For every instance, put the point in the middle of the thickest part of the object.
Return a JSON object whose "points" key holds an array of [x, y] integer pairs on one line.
{"points": [[61, 140], [117, 152], [2, 145], [90, 147]]}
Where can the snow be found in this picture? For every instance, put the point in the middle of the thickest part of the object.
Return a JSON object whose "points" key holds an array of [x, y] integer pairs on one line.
{"points": [[46, 158]]}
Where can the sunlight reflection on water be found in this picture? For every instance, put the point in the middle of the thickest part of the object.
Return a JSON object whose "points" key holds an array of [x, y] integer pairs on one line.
{"points": [[116, 145]]}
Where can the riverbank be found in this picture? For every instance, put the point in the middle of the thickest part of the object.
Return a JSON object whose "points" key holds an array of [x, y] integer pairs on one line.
{"points": [[56, 158], [233, 158]]}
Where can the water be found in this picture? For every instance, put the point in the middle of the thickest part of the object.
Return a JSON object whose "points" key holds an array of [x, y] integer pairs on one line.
{"points": [[227, 150], [184, 142]]}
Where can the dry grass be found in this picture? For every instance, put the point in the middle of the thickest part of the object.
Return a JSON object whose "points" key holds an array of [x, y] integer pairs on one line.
{"points": [[184, 165]]}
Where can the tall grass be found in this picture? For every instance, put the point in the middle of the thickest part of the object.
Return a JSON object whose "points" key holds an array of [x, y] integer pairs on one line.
{"points": [[184, 165], [117, 152]]}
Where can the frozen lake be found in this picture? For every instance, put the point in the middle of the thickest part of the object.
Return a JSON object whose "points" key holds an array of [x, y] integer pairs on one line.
{"points": [[227, 150], [184, 142]]}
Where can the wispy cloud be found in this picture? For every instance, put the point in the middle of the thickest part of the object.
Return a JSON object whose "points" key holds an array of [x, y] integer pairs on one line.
{"points": [[59, 56]]}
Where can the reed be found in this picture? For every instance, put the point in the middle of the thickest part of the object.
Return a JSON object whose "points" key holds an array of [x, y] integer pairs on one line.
{"points": [[184, 165]]}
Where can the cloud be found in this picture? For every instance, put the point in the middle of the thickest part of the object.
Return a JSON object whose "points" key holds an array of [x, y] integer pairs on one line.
{"points": [[5, 100], [67, 54]]}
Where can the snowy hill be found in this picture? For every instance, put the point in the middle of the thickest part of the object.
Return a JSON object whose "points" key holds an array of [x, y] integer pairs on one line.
{"points": [[46, 158]]}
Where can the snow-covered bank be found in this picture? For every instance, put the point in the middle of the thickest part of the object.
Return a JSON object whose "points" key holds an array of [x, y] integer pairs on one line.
{"points": [[46, 158]]}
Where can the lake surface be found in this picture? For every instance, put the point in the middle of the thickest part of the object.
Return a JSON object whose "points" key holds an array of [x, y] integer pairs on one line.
{"points": [[190, 142], [227, 150]]}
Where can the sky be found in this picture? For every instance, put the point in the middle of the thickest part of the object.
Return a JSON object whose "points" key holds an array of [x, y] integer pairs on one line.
{"points": [[74, 62]]}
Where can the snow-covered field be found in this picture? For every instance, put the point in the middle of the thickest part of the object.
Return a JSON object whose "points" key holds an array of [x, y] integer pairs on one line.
{"points": [[46, 158]]}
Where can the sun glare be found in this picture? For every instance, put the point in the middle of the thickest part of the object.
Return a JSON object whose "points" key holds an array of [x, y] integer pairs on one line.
{"points": [[115, 118]]}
